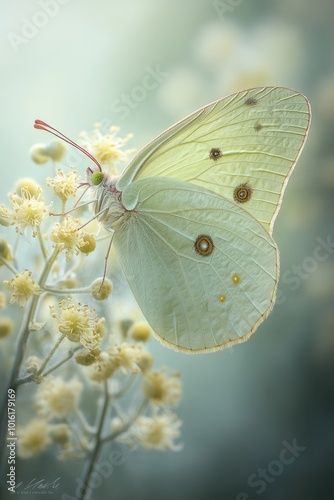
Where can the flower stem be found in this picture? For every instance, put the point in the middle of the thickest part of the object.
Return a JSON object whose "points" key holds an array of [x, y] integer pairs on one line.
{"points": [[41, 242], [51, 353], [8, 265], [57, 365], [66, 291], [30, 378], [89, 465], [128, 424]]}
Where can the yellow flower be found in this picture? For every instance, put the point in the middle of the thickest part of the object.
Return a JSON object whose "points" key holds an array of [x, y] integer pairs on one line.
{"points": [[60, 434], [5, 251], [127, 355], [106, 148], [87, 357], [6, 327], [3, 300], [64, 185], [27, 210], [162, 390], [30, 185], [24, 287], [89, 245], [67, 236], [78, 322], [55, 397], [158, 432], [32, 364], [39, 154], [100, 328], [105, 367], [145, 361], [54, 150], [140, 331], [33, 438], [105, 291]]}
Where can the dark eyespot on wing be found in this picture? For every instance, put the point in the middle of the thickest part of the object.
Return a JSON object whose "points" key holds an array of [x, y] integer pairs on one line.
{"points": [[204, 245], [215, 153], [251, 101], [242, 193]]}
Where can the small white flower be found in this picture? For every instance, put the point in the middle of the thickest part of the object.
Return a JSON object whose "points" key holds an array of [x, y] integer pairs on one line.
{"points": [[106, 148], [158, 432], [56, 397]]}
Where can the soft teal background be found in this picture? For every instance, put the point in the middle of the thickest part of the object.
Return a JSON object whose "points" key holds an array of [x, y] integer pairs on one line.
{"points": [[240, 404]]}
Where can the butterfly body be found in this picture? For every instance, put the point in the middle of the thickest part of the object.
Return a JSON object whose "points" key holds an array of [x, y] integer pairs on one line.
{"points": [[108, 207]]}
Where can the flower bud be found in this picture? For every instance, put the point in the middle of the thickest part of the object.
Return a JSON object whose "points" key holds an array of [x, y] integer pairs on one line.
{"points": [[29, 185], [6, 327], [105, 291], [39, 154], [140, 331], [56, 150], [89, 244]]}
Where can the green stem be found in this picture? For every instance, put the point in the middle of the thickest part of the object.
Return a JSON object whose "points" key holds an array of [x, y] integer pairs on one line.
{"points": [[89, 465], [66, 291], [9, 266], [51, 353], [85, 425], [30, 378], [125, 388], [126, 426], [41, 242], [57, 365]]}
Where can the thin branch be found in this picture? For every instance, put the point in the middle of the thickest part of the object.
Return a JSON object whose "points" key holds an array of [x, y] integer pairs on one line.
{"points": [[89, 465], [66, 291], [8, 265], [126, 426], [51, 353], [57, 365], [41, 243]]}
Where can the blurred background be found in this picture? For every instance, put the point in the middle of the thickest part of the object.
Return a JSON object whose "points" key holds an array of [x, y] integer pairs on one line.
{"points": [[86, 62]]}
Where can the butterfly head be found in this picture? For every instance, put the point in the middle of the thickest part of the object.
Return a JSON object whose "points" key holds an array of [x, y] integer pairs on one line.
{"points": [[94, 177], [97, 178]]}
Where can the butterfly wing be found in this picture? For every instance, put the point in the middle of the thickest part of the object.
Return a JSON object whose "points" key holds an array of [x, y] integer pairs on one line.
{"points": [[242, 147], [203, 271]]}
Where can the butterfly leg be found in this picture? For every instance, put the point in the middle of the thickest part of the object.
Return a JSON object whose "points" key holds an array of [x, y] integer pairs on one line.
{"points": [[106, 261]]}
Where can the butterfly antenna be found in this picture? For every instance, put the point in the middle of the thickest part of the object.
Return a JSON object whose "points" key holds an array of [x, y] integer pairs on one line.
{"points": [[39, 124]]}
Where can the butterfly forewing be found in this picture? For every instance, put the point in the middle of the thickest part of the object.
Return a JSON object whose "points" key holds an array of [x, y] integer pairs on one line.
{"points": [[242, 147]]}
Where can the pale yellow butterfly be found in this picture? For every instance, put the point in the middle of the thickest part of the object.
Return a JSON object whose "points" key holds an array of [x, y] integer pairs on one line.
{"points": [[192, 216]]}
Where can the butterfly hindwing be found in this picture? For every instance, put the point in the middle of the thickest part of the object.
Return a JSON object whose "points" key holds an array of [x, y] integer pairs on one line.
{"points": [[242, 147], [203, 271]]}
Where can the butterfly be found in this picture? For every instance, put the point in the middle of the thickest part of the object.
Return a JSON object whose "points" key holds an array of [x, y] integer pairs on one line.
{"points": [[192, 216]]}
